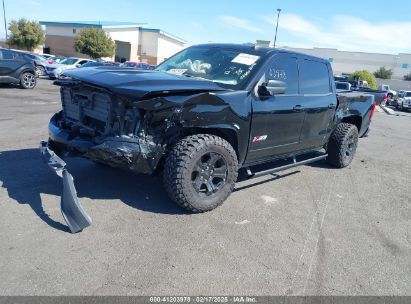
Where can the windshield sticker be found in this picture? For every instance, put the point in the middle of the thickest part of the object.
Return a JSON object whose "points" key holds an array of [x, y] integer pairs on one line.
{"points": [[245, 59], [177, 71]]}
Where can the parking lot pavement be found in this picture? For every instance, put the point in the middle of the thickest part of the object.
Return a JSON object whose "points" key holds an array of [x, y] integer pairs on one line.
{"points": [[312, 230]]}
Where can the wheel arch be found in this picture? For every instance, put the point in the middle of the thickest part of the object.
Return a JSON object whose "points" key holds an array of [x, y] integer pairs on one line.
{"points": [[27, 70], [355, 120], [226, 133]]}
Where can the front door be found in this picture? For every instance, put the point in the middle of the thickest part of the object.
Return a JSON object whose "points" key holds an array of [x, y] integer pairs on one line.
{"points": [[277, 120]]}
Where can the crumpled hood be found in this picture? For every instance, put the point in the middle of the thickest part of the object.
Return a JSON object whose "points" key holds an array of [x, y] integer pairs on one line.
{"points": [[138, 83]]}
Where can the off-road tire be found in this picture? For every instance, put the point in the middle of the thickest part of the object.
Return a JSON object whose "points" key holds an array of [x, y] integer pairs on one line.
{"points": [[28, 80], [179, 166], [340, 153]]}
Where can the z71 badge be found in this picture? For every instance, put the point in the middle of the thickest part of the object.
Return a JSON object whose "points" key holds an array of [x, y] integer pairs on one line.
{"points": [[260, 138]]}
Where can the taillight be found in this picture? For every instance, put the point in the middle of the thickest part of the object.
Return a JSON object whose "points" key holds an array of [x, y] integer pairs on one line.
{"points": [[372, 110], [385, 97], [50, 62]]}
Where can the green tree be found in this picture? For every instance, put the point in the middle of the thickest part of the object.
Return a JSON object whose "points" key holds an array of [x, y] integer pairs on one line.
{"points": [[25, 34], [408, 76], [364, 75], [95, 43], [383, 73]]}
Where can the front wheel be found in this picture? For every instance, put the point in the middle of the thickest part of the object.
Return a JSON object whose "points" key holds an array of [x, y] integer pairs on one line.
{"points": [[28, 80], [342, 145], [200, 172]]}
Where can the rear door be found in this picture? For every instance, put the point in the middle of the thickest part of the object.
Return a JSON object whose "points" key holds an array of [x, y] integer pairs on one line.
{"points": [[277, 120], [320, 101], [9, 63]]}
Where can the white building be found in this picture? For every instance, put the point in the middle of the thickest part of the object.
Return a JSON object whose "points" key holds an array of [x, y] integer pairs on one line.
{"points": [[134, 42], [348, 62]]}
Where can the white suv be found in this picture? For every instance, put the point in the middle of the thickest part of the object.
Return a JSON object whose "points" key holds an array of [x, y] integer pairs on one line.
{"points": [[404, 102]]}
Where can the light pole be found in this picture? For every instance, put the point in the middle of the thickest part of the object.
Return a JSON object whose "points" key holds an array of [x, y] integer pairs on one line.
{"points": [[5, 22], [276, 28]]}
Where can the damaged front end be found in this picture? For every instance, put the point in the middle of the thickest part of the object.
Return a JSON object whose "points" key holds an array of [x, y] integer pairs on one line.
{"points": [[102, 127]]}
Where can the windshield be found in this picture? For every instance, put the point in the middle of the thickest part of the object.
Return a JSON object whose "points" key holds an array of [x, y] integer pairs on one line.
{"points": [[69, 61], [342, 86], [408, 94], [229, 68], [129, 64], [91, 64]]}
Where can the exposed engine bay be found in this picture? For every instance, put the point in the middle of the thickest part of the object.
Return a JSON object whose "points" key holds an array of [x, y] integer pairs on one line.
{"points": [[112, 126]]}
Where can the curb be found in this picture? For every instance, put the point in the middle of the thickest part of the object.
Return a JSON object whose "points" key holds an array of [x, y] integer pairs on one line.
{"points": [[378, 109], [389, 111]]}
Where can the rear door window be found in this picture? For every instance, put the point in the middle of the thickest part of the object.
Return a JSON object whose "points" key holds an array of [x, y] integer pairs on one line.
{"points": [[7, 55], [314, 77]]}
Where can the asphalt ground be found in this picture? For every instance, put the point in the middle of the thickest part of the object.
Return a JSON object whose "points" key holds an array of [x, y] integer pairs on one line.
{"points": [[312, 230]]}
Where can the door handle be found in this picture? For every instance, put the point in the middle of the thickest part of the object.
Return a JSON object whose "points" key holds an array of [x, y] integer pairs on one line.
{"points": [[297, 108], [331, 106]]}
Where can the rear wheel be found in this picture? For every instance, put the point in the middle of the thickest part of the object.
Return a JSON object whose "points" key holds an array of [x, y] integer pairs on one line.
{"points": [[342, 145], [28, 80], [200, 172], [40, 71]]}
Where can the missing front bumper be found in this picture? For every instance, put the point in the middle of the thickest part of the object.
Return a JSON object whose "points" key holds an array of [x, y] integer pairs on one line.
{"points": [[74, 215]]}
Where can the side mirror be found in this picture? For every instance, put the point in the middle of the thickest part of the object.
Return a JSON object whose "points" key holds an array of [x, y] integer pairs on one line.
{"points": [[78, 65], [272, 87]]}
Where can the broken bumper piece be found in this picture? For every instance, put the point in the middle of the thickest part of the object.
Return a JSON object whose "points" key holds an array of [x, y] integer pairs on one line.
{"points": [[75, 216]]}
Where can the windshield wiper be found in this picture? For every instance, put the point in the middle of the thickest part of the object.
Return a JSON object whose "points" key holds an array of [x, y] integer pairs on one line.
{"points": [[196, 77]]}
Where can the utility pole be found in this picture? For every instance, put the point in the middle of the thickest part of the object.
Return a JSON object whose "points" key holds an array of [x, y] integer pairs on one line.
{"points": [[276, 28], [5, 21]]}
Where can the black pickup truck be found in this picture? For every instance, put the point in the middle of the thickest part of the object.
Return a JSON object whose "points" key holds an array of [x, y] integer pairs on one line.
{"points": [[200, 117]]}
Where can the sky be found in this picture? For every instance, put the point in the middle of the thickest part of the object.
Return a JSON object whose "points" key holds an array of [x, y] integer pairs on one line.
{"points": [[366, 25]]}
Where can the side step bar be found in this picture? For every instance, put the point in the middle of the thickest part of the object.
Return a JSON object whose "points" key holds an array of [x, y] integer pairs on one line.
{"points": [[294, 163]]}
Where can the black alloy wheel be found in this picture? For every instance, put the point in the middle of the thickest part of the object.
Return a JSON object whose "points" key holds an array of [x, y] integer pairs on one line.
{"points": [[209, 174]]}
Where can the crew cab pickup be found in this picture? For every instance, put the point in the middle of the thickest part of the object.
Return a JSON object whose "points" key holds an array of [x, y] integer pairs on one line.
{"points": [[200, 117]]}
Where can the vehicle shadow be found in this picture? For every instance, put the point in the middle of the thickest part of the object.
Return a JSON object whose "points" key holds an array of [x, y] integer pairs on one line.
{"points": [[25, 178], [9, 86]]}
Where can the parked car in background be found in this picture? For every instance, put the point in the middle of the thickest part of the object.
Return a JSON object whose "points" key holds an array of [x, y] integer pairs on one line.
{"points": [[47, 56], [39, 61], [57, 59], [380, 96], [390, 93], [404, 102], [341, 78], [138, 65], [343, 86], [17, 68], [56, 69], [99, 63]]}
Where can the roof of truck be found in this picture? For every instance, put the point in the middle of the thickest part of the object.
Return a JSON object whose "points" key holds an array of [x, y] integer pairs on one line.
{"points": [[260, 51]]}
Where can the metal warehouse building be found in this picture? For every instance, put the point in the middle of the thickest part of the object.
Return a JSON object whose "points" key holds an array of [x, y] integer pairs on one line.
{"points": [[348, 62], [134, 42]]}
